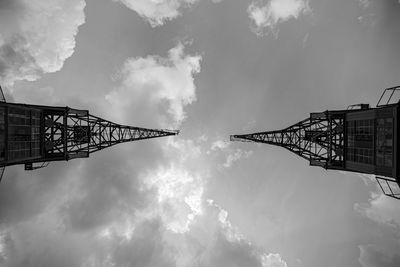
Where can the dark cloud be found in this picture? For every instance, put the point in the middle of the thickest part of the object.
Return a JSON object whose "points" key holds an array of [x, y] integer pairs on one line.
{"points": [[226, 253], [8, 4], [372, 256], [17, 60], [146, 248], [108, 186], [24, 195], [38, 244]]}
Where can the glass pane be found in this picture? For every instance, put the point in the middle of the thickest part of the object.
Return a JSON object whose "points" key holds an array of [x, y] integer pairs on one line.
{"points": [[384, 142], [360, 141], [23, 133]]}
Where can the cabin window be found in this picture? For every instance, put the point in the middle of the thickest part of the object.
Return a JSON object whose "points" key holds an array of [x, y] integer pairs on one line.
{"points": [[360, 141], [23, 133], [384, 142], [2, 134]]}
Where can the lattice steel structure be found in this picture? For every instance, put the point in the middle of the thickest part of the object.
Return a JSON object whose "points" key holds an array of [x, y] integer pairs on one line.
{"points": [[70, 133], [319, 139], [359, 139], [36, 135]]}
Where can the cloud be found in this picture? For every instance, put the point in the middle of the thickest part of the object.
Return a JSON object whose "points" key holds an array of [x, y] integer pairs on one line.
{"points": [[178, 186], [193, 231], [179, 195], [238, 154], [381, 209], [368, 16], [364, 3], [372, 256], [157, 88], [226, 245], [157, 12], [141, 204], [219, 144], [273, 260], [231, 155], [197, 232], [266, 17], [384, 249], [37, 37], [126, 212]]}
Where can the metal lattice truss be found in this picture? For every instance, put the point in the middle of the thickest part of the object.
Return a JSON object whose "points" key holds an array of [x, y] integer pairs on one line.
{"points": [[75, 134], [319, 139]]}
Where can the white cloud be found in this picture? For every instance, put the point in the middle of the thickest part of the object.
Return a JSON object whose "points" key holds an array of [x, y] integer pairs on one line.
{"points": [[179, 185], [266, 17], [157, 12], [219, 144], [384, 249], [156, 87], [179, 196], [238, 154], [231, 154], [162, 219], [37, 36], [232, 234], [273, 260], [381, 209], [197, 232], [3, 236]]}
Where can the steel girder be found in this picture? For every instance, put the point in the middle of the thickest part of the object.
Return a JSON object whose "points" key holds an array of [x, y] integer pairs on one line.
{"points": [[319, 139], [72, 133]]}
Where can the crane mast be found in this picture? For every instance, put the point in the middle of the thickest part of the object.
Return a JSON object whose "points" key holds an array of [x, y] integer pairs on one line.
{"points": [[359, 139]]}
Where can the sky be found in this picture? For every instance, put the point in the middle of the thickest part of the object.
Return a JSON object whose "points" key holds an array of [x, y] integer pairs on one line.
{"points": [[210, 68]]}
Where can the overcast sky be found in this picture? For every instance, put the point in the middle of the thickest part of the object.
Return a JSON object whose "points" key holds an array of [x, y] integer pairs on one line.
{"points": [[210, 68]]}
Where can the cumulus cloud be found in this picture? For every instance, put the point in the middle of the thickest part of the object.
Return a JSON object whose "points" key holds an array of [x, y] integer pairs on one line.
{"points": [[134, 213], [194, 231], [229, 247], [273, 260], [179, 195], [159, 88], [265, 17], [177, 226], [385, 212], [178, 186], [219, 144], [157, 12], [124, 208], [37, 36], [238, 154], [381, 209], [231, 154], [213, 241]]}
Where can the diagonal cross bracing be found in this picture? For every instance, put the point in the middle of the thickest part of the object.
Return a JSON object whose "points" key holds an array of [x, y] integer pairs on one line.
{"points": [[319, 139], [71, 133]]}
